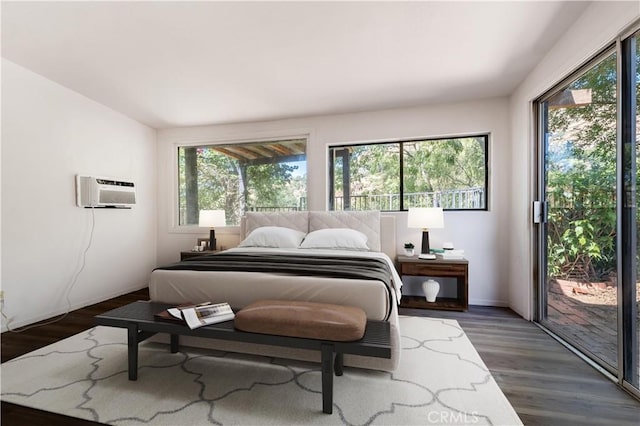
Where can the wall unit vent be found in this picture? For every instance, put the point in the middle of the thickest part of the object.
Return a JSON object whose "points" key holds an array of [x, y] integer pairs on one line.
{"points": [[94, 191]]}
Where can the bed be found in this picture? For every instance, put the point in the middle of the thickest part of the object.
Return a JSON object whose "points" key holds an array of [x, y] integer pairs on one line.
{"points": [[343, 258]]}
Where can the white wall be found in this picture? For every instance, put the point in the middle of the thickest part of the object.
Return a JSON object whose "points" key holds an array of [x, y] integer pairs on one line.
{"points": [[599, 25], [481, 234], [49, 134]]}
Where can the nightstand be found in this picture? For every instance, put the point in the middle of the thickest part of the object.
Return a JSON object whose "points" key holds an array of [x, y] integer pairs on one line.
{"points": [[458, 269], [187, 254]]}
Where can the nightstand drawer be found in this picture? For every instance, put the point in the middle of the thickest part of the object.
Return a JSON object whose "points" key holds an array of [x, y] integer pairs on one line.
{"points": [[426, 268]]}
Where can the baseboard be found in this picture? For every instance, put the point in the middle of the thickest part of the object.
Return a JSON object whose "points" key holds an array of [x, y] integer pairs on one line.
{"points": [[489, 302], [77, 305]]}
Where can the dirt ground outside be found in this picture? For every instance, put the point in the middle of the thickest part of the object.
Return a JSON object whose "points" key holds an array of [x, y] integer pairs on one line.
{"points": [[587, 313], [599, 293]]}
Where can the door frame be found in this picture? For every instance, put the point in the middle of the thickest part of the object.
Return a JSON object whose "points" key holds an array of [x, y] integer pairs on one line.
{"points": [[626, 215]]}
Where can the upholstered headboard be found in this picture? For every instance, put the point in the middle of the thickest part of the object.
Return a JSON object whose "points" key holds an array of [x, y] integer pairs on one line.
{"points": [[294, 220], [379, 229], [367, 222]]}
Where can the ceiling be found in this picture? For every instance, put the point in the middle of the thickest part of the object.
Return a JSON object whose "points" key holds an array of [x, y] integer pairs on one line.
{"points": [[169, 64]]}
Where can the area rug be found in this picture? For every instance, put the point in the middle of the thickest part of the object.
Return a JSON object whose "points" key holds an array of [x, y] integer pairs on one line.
{"points": [[440, 380]]}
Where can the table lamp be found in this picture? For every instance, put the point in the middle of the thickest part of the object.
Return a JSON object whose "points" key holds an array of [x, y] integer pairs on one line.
{"points": [[425, 218], [211, 219]]}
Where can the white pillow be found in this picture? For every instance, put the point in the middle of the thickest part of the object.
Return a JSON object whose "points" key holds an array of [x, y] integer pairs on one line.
{"points": [[335, 238], [273, 236]]}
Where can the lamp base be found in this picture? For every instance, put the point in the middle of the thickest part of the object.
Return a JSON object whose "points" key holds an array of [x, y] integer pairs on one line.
{"points": [[427, 256], [212, 239], [425, 252], [425, 242]]}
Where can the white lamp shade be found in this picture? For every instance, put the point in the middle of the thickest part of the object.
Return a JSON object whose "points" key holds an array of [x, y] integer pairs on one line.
{"points": [[425, 218], [212, 218]]}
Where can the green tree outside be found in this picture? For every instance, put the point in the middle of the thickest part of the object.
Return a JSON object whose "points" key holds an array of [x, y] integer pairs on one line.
{"points": [[236, 186], [581, 176]]}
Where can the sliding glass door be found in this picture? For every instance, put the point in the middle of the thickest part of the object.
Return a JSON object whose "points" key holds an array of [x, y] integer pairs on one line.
{"points": [[588, 154], [579, 122]]}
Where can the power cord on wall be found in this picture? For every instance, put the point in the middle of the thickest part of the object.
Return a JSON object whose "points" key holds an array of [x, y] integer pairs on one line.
{"points": [[67, 292]]}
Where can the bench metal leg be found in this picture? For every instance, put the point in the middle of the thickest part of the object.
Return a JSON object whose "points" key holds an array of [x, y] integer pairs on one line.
{"points": [[175, 343], [132, 350], [339, 363], [327, 378]]}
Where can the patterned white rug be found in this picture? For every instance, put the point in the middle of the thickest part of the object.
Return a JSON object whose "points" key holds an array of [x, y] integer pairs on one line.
{"points": [[440, 380]]}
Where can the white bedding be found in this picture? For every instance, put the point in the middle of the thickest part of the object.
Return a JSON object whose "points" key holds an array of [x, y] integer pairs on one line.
{"points": [[242, 288]]}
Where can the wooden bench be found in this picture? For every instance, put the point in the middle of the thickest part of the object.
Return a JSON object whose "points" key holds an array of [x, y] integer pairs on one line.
{"points": [[138, 319]]}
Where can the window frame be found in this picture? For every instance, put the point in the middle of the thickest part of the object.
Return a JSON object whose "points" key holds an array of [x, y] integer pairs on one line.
{"points": [[331, 172], [174, 219]]}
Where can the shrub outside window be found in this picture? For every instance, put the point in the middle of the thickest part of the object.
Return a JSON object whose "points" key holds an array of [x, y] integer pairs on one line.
{"points": [[450, 173]]}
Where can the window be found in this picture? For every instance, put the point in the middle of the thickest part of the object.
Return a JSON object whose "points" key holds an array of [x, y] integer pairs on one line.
{"points": [[236, 178], [450, 173]]}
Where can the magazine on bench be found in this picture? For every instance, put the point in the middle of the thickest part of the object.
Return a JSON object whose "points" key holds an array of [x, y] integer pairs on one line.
{"points": [[202, 314]]}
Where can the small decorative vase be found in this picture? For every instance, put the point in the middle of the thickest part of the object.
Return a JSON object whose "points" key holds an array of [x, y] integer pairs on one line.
{"points": [[431, 289], [408, 252]]}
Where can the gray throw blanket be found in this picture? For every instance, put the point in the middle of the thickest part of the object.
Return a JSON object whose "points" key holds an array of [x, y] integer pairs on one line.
{"points": [[304, 265]]}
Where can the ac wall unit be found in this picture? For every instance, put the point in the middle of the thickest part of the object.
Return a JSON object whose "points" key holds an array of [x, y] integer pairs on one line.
{"points": [[93, 191]]}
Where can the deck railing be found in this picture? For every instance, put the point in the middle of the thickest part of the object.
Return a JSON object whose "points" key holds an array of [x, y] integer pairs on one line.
{"points": [[273, 209], [471, 198]]}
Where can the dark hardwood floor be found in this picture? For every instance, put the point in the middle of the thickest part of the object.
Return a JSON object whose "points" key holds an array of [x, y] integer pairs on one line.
{"points": [[545, 382], [16, 344]]}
